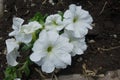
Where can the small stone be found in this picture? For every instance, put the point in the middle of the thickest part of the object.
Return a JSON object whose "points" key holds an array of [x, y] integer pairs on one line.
{"points": [[80, 59], [6, 11], [1, 38], [118, 72], [111, 75], [92, 41], [115, 36], [32, 5], [51, 2]]}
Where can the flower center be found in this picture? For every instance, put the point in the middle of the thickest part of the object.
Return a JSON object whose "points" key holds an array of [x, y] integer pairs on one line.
{"points": [[75, 19], [54, 22], [49, 49]]}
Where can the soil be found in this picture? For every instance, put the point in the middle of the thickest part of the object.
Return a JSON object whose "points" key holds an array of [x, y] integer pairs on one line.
{"points": [[103, 53]]}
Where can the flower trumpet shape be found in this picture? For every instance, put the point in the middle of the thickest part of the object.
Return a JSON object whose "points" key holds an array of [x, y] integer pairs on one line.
{"points": [[51, 51], [54, 22], [23, 33], [12, 51], [77, 20]]}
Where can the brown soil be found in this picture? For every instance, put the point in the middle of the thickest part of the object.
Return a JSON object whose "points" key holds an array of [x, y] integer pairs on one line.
{"points": [[103, 53]]}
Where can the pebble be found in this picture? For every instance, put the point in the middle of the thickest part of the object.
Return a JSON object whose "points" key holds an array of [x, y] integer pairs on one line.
{"points": [[115, 36], [92, 41], [111, 75], [80, 59], [51, 2], [32, 5]]}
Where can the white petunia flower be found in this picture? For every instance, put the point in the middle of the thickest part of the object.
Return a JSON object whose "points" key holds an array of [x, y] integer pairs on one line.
{"points": [[23, 33], [54, 22], [77, 20], [17, 23], [79, 45], [31, 27], [51, 51], [12, 51]]}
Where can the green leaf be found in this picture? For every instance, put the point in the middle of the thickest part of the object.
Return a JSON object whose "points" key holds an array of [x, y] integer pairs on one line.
{"points": [[27, 71], [39, 17], [26, 47], [10, 73], [25, 67], [61, 13]]}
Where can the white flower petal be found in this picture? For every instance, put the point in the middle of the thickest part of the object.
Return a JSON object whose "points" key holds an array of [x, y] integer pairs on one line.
{"points": [[64, 57], [11, 58], [77, 34], [70, 27], [11, 44], [12, 53], [37, 56], [48, 67], [79, 45], [43, 35], [72, 8], [54, 22], [31, 27], [53, 36], [57, 62], [25, 38], [17, 79], [13, 33], [63, 45], [68, 14], [17, 22], [80, 32]]}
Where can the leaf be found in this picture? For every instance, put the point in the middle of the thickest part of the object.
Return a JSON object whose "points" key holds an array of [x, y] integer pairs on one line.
{"points": [[27, 71], [10, 73], [61, 13], [39, 17], [26, 47]]}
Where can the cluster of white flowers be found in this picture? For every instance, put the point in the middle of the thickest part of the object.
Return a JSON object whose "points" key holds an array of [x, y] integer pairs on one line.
{"points": [[52, 49]]}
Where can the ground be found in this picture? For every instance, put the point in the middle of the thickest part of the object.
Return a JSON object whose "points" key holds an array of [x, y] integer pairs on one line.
{"points": [[103, 53]]}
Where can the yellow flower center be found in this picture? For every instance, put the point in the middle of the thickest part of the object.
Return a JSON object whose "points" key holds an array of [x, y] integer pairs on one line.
{"points": [[75, 19], [49, 49], [55, 23]]}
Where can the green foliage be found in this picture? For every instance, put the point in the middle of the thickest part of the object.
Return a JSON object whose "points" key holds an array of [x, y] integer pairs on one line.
{"points": [[39, 17], [13, 72], [26, 47], [10, 73], [25, 68], [61, 13]]}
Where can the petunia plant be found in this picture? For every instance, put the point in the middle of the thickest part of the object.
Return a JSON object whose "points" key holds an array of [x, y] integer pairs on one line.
{"points": [[49, 41]]}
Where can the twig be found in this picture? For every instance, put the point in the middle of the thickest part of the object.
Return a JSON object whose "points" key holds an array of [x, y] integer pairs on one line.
{"points": [[44, 1], [40, 73], [54, 76], [111, 48], [90, 3], [103, 8]]}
